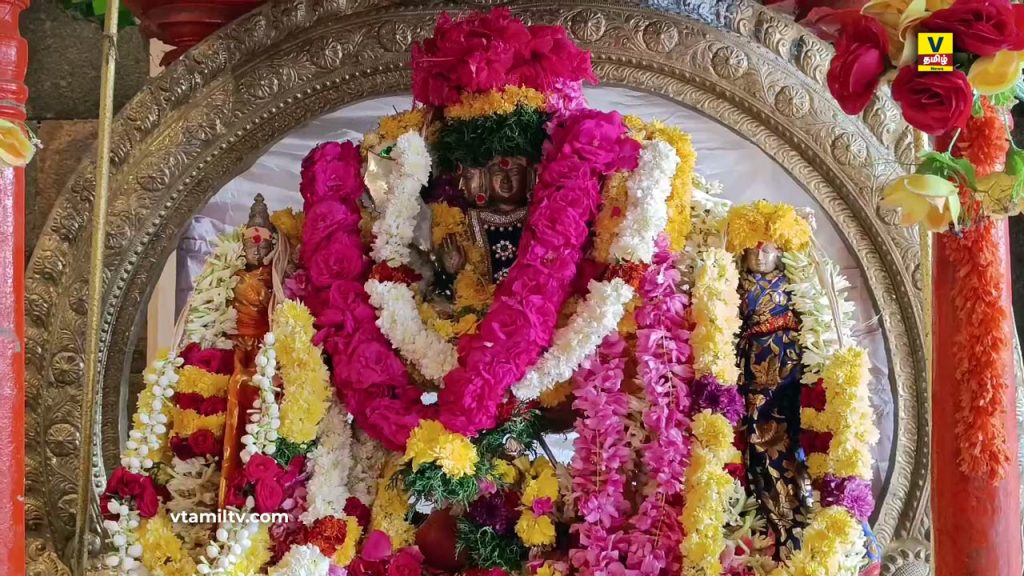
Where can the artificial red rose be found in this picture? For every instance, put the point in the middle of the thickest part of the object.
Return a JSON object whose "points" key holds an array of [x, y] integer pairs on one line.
{"points": [[261, 467], [361, 512], [204, 443], [408, 562], [813, 396], [862, 55], [933, 103], [268, 495], [116, 482], [146, 500], [981, 27], [1018, 24], [815, 442], [214, 360]]}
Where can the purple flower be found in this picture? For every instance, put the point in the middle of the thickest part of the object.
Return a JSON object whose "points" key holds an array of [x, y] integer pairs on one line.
{"points": [[498, 510], [708, 394], [851, 493]]}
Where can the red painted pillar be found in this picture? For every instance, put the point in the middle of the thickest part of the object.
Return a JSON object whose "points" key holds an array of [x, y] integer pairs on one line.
{"points": [[976, 525], [13, 93]]}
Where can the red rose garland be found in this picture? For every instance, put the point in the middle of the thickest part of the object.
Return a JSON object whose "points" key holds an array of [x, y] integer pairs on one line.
{"points": [[981, 27], [933, 103], [584, 147], [862, 54], [368, 374]]}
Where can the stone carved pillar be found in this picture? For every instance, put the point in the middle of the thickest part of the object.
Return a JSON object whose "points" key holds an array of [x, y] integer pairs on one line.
{"points": [[13, 94]]}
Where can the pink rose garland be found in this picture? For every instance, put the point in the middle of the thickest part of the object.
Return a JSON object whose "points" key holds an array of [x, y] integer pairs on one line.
{"points": [[602, 454], [665, 367], [584, 147], [369, 376]]}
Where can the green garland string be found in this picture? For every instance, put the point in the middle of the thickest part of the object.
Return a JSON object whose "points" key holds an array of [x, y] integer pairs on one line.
{"points": [[430, 483], [488, 549], [477, 141], [524, 426]]}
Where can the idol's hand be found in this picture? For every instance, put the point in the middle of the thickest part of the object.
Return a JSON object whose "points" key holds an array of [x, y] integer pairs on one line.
{"points": [[453, 257]]}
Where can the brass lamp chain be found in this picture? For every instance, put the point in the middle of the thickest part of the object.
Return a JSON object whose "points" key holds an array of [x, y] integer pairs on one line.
{"points": [[92, 337]]}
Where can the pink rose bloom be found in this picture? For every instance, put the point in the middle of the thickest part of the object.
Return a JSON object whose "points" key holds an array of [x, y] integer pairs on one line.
{"points": [[408, 562], [332, 170], [376, 546], [565, 97], [296, 287], [373, 362], [347, 307], [325, 221], [391, 421], [268, 495]]}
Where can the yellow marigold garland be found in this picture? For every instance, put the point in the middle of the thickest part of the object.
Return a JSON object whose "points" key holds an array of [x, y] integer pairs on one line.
{"points": [[289, 224], [541, 482], [393, 126], [430, 442], [847, 415], [307, 389], [504, 101], [555, 395], [762, 221], [187, 422], [256, 556], [344, 555], [715, 310], [707, 495], [162, 551], [391, 506], [827, 546], [199, 381], [613, 210]]}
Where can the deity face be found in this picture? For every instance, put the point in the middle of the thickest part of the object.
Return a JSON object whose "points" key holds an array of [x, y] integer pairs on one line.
{"points": [[257, 243], [765, 258], [503, 184]]}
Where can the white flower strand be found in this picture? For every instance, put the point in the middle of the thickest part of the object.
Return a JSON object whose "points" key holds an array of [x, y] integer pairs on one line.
{"points": [[232, 540], [305, 560], [597, 316], [818, 331], [122, 536], [265, 414], [152, 419], [394, 230], [649, 187], [329, 465], [399, 320], [211, 318]]}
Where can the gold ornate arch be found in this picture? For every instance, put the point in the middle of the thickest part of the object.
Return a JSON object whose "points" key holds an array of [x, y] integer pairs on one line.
{"points": [[211, 114]]}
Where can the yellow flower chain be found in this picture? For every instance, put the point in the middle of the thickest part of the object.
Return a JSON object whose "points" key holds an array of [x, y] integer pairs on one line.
{"points": [[162, 551], [707, 496], [391, 505], [344, 555], [613, 210], [199, 381], [430, 442], [762, 221], [830, 538], [847, 415], [715, 312], [541, 482], [393, 126], [493, 102], [187, 422], [307, 390], [256, 556]]}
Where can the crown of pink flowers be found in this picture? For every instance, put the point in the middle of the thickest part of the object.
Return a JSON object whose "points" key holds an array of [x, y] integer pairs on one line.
{"points": [[484, 51]]}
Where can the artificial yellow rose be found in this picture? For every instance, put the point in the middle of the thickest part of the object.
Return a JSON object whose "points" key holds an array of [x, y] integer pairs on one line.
{"points": [[996, 73], [997, 192], [16, 147], [922, 199], [899, 18], [934, 5]]}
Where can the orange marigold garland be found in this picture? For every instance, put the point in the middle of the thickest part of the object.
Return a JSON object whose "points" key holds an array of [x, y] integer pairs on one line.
{"points": [[981, 345], [983, 140]]}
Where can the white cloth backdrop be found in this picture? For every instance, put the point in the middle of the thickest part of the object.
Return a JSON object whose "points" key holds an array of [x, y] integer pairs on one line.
{"points": [[746, 173]]}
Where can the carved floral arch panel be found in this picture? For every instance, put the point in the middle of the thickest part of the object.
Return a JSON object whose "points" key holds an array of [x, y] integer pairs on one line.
{"points": [[211, 114]]}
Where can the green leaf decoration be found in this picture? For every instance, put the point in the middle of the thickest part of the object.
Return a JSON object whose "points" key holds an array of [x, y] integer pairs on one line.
{"points": [[488, 549], [976, 109], [431, 484], [944, 165], [477, 141], [1005, 98], [524, 426], [285, 451], [1014, 161]]}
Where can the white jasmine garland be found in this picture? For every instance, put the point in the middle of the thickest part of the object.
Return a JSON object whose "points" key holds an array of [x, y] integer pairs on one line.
{"points": [[596, 317], [210, 320], [150, 431], [368, 457], [232, 540], [819, 335], [329, 465], [265, 415], [305, 560], [393, 231], [649, 187], [399, 320], [122, 537]]}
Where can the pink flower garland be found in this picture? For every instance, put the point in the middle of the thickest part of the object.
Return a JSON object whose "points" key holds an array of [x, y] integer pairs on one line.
{"points": [[584, 147], [665, 367], [369, 376], [602, 453]]}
